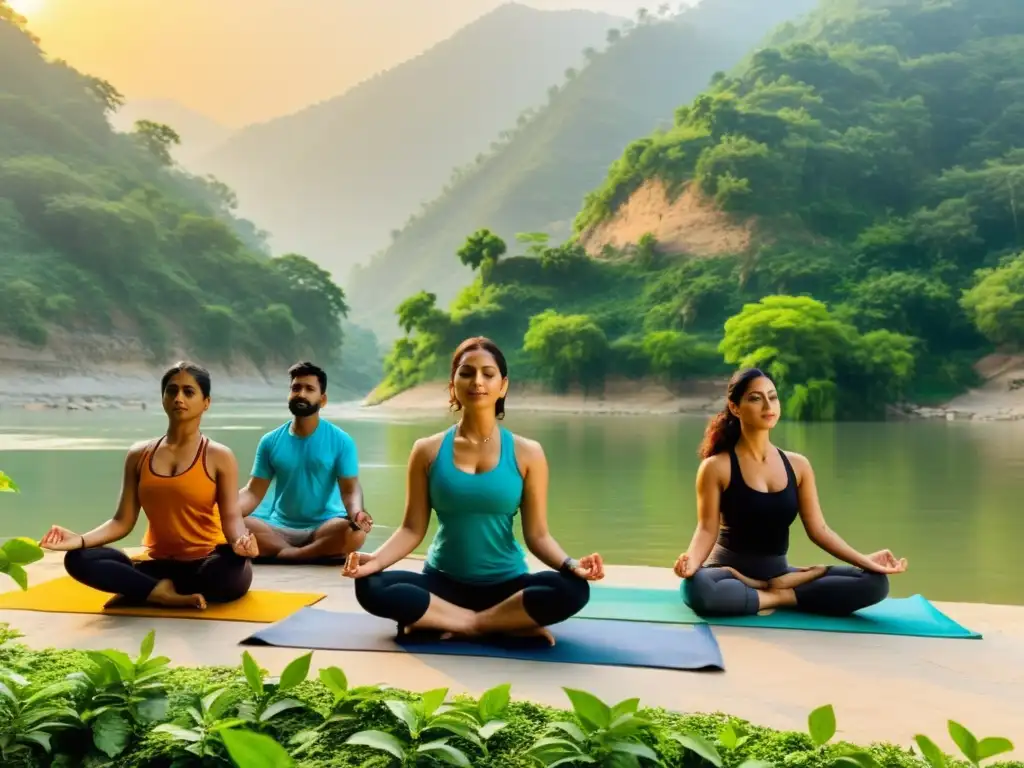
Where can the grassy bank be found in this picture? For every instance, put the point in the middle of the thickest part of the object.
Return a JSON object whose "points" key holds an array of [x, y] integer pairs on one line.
{"points": [[93, 708]]}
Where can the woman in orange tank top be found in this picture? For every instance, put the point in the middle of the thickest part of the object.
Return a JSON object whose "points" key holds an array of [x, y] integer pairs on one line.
{"points": [[188, 487]]}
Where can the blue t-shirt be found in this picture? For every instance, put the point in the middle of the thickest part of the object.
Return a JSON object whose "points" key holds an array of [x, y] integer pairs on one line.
{"points": [[304, 472]]}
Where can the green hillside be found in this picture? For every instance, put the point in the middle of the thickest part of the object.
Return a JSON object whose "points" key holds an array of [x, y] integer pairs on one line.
{"points": [[543, 166], [333, 179], [98, 233], [874, 152]]}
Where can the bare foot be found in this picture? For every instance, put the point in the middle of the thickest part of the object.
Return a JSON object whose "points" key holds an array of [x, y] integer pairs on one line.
{"points": [[796, 578], [534, 632], [164, 593]]}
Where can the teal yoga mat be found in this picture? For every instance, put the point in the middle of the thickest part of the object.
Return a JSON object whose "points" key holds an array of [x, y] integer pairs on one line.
{"points": [[910, 616]]}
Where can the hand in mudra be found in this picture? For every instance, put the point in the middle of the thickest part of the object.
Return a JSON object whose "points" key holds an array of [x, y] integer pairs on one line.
{"points": [[362, 521], [358, 565], [685, 567], [59, 539], [590, 568], [245, 545], [885, 562]]}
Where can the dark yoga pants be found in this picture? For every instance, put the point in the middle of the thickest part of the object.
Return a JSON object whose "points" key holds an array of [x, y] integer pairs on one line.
{"points": [[549, 597], [221, 577], [714, 591]]}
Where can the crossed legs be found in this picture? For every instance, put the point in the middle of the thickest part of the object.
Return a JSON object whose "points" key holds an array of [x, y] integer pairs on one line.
{"points": [[827, 590], [333, 538], [431, 601]]}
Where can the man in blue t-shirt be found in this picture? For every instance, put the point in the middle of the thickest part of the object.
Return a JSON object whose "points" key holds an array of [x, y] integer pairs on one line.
{"points": [[316, 507]]}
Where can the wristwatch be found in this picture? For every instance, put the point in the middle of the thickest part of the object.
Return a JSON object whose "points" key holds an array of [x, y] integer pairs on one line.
{"points": [[569, 565]]}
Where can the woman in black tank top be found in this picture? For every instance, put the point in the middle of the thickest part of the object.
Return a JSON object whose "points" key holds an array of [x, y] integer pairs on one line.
{"points": [[748, 494]]}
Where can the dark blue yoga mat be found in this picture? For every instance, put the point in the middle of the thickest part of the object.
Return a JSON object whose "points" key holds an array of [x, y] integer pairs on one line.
{"points": [[609, 643]]}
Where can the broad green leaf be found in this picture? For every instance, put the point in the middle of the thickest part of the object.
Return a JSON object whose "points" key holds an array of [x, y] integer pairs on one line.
{"points": [[855, 756], [22, 551], [732, 736], [227, 724], [177, 732], [756, 764], [620, 760], [992, 746], [253, 673], [588, 708], [7, 485], [431, 700], [626, 725], [554, 744], [571, 761], [930, 751], [378, 740], [111, 733], [965, 740], [459, 728], [146, 650], [39, 737], [282, 705], [123, 664], [215, 703], [335, 681], [573, 730], [5, 563], [490, 728], [19, 575], [152, 708], [821, 724], [255, 750], [634, 748], [624, 706], [699, 746], [446, 753], [494, 702], [296, 671], [50, 691], [404, 711]]}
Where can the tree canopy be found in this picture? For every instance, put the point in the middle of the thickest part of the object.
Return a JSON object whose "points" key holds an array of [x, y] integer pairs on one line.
{"points": [[872, 148], [99, 231]]}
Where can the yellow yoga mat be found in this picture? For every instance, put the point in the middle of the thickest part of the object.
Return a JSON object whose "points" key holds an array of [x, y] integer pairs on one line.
{"points": [[65, 595]]}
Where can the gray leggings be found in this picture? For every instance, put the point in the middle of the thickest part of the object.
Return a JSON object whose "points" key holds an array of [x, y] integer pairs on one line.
{"points": [[714, 591]]}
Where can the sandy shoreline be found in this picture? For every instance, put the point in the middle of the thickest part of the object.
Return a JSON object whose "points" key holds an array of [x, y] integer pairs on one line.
{"points": [[620, 397]]}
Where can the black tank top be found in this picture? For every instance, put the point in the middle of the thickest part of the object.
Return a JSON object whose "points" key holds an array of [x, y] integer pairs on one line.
{"points": [[756, 522]]}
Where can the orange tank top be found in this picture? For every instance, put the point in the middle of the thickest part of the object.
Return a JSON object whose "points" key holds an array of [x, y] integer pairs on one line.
{"points": [[184, 521]]}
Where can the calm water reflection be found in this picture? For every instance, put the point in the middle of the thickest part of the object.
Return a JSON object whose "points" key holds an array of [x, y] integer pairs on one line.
{"points": [[944, 495]]}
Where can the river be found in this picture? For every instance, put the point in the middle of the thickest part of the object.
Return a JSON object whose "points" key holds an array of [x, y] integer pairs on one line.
{"points": [[945, 495]]}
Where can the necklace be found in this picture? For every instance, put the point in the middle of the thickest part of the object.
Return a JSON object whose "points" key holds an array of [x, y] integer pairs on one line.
{"points": [[484, 440]]}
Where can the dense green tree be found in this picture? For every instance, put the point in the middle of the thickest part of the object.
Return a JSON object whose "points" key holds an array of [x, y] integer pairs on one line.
{"points": [[157, 139], [568, 349], [996, 303], [481, 248]]}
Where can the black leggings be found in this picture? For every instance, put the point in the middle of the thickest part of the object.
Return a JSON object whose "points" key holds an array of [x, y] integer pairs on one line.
{"points": [[714, 591], [221, 577], [404, 596]]}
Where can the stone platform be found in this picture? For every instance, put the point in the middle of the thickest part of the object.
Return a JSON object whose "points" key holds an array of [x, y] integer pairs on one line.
{"points": [[883, 688]]}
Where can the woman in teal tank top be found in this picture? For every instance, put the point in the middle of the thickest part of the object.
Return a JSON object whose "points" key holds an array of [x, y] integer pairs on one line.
{"points": [[476, 476]]}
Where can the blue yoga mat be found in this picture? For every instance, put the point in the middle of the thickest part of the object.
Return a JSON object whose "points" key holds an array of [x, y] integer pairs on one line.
{"points": [[609, 643], [910, 616]]}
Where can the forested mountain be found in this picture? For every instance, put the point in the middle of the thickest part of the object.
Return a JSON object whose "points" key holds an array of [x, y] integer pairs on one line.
{"points": [[551, 157], [333, 180], [98, 233], [199, 134], [871, 159]]}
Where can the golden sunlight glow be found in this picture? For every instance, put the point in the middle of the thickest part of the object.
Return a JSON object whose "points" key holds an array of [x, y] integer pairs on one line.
{"points": [[27, 7]]}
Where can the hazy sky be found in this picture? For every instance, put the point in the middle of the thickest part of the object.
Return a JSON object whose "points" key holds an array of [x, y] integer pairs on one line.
{"points": [[241, 61]]}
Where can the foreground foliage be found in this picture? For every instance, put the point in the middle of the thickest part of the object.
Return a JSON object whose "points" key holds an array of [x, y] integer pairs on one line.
{"points": [[106, 708], [872, 149]]}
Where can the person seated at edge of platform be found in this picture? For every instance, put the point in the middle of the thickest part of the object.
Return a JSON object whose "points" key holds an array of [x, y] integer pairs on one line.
{"points": [[475, 475], [316, 510], [187, 485], [749, 492]]}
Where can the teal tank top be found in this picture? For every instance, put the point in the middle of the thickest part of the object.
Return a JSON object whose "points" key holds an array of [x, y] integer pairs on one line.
{"points": [[475, 542]]}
